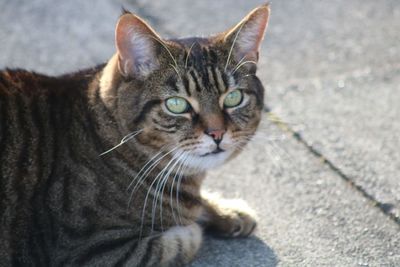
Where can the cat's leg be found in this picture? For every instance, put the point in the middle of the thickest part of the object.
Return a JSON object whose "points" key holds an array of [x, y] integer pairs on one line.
{"points": [[227, 217], [176, 246], [179, 245]]}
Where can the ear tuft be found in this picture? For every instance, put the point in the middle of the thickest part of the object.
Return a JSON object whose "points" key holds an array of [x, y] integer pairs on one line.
{"points": [[136, 45], [246, 37], [125, 11]]}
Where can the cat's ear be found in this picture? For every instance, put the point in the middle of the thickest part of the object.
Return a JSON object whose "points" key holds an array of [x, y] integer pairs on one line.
{"points": [[137, 46], [245, 38]]}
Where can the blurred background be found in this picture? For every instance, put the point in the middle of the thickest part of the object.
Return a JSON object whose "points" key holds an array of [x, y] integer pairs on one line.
{"points": [[324, 172]]}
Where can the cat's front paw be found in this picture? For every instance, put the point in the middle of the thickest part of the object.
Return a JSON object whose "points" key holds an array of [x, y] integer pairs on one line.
{"points": [[238, 224], [230, 218]]}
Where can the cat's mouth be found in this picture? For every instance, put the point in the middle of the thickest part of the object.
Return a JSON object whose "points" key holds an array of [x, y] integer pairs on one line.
{"points": [[208, 160], [215, 151]]}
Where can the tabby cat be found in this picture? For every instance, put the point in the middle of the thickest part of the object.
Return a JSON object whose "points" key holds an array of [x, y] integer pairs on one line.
{"points": [[103, 167]]}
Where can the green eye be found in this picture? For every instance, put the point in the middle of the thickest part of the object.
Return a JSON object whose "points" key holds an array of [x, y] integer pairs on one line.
{"points": [[233, 99], [177, 105]]}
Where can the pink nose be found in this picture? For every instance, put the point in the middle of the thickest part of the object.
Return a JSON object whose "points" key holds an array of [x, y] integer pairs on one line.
{"points": [[216, 134]]}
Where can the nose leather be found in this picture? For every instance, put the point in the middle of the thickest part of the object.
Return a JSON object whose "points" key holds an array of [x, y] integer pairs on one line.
{"points": [[216, 134], [214, 126]]}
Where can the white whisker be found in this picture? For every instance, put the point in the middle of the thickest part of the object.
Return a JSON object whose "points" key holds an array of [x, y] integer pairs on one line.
{"points": [[172, 186], [240, 61], [148, 192], [231, 49], [125, 139], [178, 161], [248, 75], [242, 64], [163, 178], [143, 168], [166, 48], [188, 54], [176, 70], [178, 207], [148, 171]]}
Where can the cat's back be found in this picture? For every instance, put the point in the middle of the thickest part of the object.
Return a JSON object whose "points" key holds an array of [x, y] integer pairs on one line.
{"points": [[29, 111], [27, 101], [26, 84], [35, 115], [35, 110], [24, 150], [24, 113], [14, 79]]}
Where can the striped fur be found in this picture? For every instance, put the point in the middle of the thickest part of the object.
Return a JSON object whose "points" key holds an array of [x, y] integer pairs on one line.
{"points": [[64, 201]]}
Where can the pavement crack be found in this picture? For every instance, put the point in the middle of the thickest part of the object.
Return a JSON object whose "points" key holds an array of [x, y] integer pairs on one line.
{"points": [[383, 207]]}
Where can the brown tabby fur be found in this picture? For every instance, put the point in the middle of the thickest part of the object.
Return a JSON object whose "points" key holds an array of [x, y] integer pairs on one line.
{"points": [[63, 202]]}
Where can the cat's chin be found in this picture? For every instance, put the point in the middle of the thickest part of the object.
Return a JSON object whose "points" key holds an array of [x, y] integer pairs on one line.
{"points": [[208, 161]]}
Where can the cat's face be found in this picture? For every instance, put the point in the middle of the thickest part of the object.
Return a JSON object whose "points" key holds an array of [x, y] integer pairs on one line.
{"points": [[206, 112], [196, 98]]}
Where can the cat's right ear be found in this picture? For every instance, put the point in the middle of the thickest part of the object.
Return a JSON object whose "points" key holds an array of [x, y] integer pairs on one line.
{"points": [[136, 46], [245, 38]]}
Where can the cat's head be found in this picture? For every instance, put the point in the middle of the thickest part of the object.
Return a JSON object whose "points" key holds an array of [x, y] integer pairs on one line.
{"points": [[196, 97]]}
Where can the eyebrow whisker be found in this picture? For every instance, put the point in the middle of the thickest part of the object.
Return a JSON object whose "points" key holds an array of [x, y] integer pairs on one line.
{"points": [[188, 54]]}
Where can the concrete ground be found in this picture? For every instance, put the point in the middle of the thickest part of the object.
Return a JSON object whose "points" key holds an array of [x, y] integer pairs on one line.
{"points": [[324, 176]]}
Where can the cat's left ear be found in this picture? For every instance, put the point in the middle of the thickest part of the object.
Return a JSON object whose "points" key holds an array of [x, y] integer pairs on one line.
{"points": [[137, 45], [245, 38]]}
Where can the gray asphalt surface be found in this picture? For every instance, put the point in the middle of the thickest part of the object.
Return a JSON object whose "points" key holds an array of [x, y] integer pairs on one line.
{"points": [[325, 182]]}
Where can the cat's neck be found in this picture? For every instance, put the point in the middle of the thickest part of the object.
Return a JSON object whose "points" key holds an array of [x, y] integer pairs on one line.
{"points": [[108, 82], [102, 101]]}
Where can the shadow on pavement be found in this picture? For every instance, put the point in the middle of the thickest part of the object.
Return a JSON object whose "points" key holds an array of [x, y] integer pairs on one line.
{"points": [[239, 252]]}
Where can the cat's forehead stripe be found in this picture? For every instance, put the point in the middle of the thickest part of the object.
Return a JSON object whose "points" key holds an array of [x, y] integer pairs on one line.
{"points": [[191, 85], [221, 81], [198, 81], [210, 80]]}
